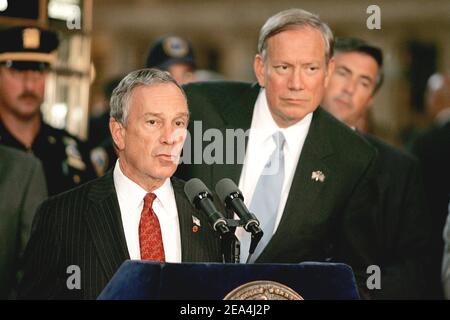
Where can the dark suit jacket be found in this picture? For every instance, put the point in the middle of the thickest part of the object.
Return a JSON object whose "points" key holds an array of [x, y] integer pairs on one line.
{"points": [[433, 150], [322, 221], [83, 227], [22, 189], [402, 223], [446, 258]]}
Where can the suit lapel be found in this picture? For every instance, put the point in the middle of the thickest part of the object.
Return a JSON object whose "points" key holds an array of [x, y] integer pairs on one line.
{"points": [[199, 243], [236, 114], [299, 211], [105, 224], [185, 220], [382, 177]]}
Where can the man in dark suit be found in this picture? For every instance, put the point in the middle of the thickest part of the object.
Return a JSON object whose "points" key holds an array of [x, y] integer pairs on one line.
{"points": [[137, 211], [432, 147], [402, 219], [22, 189], [321, 214], [446, 258]]}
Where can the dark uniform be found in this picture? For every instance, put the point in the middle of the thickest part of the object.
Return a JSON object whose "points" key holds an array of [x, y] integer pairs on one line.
{"points": [[169, 50], [432, 148], [64, 157]]}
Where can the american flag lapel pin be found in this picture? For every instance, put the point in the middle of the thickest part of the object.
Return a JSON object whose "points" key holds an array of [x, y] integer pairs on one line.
{"points": [[318, 176], [196, 225]]}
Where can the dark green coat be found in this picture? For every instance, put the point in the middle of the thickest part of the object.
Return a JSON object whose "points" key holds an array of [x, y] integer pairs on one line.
{"points": [[22, 189]]}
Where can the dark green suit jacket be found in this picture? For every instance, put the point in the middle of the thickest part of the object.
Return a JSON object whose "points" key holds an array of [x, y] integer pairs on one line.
{"points": [[322, 221], [22, 189]]}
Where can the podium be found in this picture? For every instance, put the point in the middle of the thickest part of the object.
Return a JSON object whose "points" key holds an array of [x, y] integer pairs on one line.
{"points": [[140, 280]]}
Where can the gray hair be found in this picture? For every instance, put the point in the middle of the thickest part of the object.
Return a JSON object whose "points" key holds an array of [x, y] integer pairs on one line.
{"points": [[294, 17], [120, 97]]}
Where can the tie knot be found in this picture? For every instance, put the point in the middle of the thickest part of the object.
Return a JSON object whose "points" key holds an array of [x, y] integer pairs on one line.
{"points": [[148, 200], [279, 140]]}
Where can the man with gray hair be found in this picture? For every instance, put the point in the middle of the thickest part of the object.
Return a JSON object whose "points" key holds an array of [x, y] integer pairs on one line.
{"points": [[315, 206], [137, 211]]}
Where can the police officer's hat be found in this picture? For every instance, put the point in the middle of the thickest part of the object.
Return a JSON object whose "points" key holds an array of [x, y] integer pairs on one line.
{"points": [[170, 50], [27, 48]]}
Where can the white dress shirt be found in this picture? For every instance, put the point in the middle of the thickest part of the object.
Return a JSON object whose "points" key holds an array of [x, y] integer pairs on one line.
{"points": [[259, 149], [131, 201]]}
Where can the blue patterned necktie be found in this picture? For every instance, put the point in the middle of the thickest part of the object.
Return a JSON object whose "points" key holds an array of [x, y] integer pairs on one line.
{"points": [[266, 197]]}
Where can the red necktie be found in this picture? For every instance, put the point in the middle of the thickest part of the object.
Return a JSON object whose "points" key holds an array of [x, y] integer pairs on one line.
{"points": [[150, 239]]}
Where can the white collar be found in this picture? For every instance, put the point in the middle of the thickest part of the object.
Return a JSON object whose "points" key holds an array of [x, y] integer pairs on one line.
{"points": [[134, 194]]}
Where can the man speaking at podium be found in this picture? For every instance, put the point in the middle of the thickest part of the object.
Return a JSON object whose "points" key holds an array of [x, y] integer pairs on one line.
{"points": [[136, 211], [313, 207]]}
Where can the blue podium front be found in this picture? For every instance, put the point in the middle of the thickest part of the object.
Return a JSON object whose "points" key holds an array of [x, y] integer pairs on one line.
{"points": [[213, 281]]}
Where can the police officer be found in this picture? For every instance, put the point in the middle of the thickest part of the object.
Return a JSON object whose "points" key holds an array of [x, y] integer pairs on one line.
{"points": [[25, 57], [175, 55]]}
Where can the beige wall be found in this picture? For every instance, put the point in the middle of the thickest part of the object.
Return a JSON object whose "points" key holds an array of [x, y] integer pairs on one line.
{"points": [[123, 30]]}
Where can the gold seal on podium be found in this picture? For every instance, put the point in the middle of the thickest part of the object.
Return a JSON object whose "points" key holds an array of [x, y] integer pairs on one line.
{"points": [[263, 290]]}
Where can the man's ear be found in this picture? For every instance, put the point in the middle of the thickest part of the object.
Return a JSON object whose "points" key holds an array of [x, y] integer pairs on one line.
{"points": [[258, 67], [330, 69], [118, 133]]}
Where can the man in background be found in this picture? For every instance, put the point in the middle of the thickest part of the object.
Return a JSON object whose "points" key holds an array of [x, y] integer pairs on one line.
{"points": [[174, 55], [99, 124], [432, 147], [402, 217], [25, 57], [438, 98]]}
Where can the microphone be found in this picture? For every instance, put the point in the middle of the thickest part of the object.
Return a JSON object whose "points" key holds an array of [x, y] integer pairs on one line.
{"points": [[201, 198], [230, 194]]}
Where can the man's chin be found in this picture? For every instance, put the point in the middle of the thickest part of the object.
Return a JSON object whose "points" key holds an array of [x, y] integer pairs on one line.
{"points": [[293, 115], [166, 168], [27, 114]]}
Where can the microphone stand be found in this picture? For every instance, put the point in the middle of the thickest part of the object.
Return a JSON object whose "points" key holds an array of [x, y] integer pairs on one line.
{"points": [[257, 234], [231, 246]]}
